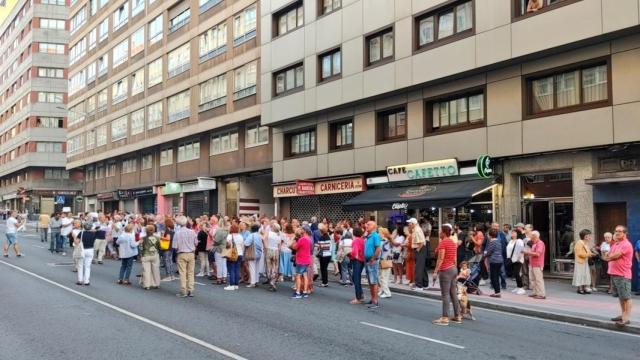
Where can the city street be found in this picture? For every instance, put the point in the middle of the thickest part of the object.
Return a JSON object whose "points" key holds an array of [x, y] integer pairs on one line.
{"points": [[45, 315]]}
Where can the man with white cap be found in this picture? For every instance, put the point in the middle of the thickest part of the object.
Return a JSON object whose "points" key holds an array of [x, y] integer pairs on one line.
{"points": [[421, 251], [536, 265]]}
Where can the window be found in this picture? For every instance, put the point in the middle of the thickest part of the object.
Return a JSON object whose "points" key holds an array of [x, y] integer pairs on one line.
{"points": [[120, 53], [379, 46], [179, 106], [93, 6], [54, 24], [155, 29], [137, 6], [288, 19], [524, 8], [213, 93], [289, 79], [53, 2], [224, 142], [121, 16], [102, 100], [155, 72], [78, 50], [103, 30], [91, 139], [330, 64], [178, 60], [341, 135], [49, 147], [50, 122], [50, 97], [207, 4], [189, 151], [166, 157], [300, 143], [328, 6], [441, 24], [103, 64], [111, 169], [50, 48], [244, 81], [257, 135], [154, 115], [392, 124], [129, 165], [90, 173], [119, 128], [77, 81], [180, 20], [93, 38], [56, 174], [91, 105], [91, 72], [101, 135], [99, 171], [455, 111], [244, 25], [119, 91], [137, 122], [147, 162], [51, 72], [74, 145], [77, 20], [568, 89], [213, 42], [137, 82], [137, 41]]}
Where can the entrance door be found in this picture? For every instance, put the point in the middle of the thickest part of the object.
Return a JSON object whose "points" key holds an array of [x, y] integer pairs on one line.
{"points": [[608, 216]]}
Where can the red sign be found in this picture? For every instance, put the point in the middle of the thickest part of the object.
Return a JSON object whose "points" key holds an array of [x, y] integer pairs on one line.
{"points": [[305, 187]]}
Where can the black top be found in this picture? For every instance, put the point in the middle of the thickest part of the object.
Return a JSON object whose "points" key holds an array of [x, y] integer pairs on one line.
{"points": [[202, 241], [88, 238]]}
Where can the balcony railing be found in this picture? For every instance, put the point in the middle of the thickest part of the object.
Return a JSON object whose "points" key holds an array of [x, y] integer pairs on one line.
{"points": [[246, 37], [179, 115], [212, 104], [179, 24], [213, 53], [244, 92], [179, 70], [208, 5]]}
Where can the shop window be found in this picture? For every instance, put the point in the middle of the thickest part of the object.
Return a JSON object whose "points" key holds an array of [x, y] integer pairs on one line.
{"points": [[300, 143], [341, 135], [568, 89], [457, 112], [526, 8], [379, 47], [330, 65], [392, 124], [444, 25], [289, 80], [288, 19]]}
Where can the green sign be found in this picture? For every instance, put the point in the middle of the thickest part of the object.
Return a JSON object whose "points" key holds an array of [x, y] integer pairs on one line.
{"points": [[172, 188], [484, 166]]}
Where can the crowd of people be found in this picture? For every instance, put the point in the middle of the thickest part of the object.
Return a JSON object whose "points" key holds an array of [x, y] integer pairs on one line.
{"points": [[237, 250]]}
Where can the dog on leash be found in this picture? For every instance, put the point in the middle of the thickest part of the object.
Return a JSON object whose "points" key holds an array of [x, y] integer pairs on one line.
{"points": [[465, 305]]}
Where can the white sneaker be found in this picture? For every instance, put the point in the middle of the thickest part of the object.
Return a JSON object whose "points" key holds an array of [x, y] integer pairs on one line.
{"points": [[384, 296], [200, 274], [236, 287], [230, 287], [521, 291], [483, 283], [405, 282], [515, 290]]}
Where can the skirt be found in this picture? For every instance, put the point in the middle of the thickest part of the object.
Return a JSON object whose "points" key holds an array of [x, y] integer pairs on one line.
{"points": [[581, 274], [286, 266]]}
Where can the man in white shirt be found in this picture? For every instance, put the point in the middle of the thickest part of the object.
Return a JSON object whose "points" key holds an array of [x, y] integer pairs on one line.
{"points": [[65, 229], [12, 228]]}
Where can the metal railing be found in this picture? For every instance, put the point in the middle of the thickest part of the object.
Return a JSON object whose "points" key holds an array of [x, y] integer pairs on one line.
{"points": [[213, 104], [246, 37], [244, 92]]}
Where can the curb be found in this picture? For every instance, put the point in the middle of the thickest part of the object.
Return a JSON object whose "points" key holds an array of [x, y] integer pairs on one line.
{"points": [[529, 312]]}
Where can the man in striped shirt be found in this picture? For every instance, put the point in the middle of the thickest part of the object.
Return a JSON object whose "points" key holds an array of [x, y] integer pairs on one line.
{"points": [[185, 241]]}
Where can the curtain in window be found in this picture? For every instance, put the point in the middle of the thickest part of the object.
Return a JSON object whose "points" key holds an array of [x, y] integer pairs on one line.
{"points": [[464, 17], [426, 30], [567, 89], [445, 25], [594, 84], [374, 49], [542, 94]]}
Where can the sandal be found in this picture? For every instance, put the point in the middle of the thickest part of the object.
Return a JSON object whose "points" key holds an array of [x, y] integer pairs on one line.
{"points": [[457, 320], [355, 302], [441, 322]]}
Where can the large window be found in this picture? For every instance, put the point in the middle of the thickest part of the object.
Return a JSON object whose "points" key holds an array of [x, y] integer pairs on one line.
{"points": [[54, 24], [442, 24], [119, 128], [50, 48], [137, 6], [137, 82], [56, 174], [50, 122], [77, 20], [155, 29], [77, 81], [568, 90], [102, 100], [244, 25], [455, 111], [257, 135], [289, 79], [341, 135], [74, 145], [178, 61], [137, 41], [129, 165], [103, 30], [99, 171], [50, 72], [49, 147], [166, 157], [379, 47], [392, 124], [103, 64], [154, 115], [147, 162], [119, 91], [93, 38], [531, 7], [180, 20], [213, 93], [101, 135], [207, 4], [189, 150], [288, 19], [244, 81], [300, 143], [120, 53], [78, 50], [91, 139], [155, 72], [224, 142], [111, 169], [179, 106], [137, 122], [330, 64], [328, 6], [213, 42], [91, 72], [50, 97], [121, 16]]}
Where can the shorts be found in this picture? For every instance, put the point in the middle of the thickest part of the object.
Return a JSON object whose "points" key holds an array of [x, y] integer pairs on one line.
{"points": [[11, 239], [622, 286], [372, 272], [302, 269]]}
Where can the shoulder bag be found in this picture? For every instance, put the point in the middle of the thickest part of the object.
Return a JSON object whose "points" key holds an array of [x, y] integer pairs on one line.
{"points": [[250, 251], [78, 249], [508, 263]]}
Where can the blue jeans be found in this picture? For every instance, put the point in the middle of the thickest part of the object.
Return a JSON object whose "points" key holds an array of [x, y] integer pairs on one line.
{"points": [[60, 242], [55, 237], [167, 259], [345, 267], [125, 268], [233, 270], [356, 278]]}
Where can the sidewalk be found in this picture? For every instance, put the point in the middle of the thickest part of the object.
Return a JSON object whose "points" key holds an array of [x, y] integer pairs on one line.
{"points": [[562, 304]]}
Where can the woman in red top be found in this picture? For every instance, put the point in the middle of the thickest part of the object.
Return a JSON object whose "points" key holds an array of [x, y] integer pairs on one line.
{"points": [[357, 262], [446, 273]]}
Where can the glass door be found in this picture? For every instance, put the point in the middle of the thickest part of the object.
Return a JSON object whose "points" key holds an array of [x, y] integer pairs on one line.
{"points": [[563, 236]]}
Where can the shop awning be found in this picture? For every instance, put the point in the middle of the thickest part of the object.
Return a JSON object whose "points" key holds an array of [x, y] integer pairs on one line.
{"points": [[450, 194]]}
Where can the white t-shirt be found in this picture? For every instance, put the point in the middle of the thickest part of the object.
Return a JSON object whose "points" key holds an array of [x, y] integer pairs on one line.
{"points": [[605, 247], [238, 241], [273, 240], [12, 225], [65, 230]]}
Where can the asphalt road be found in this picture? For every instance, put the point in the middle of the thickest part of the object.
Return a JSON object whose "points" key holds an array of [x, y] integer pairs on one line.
{"points": [[44, 315]]}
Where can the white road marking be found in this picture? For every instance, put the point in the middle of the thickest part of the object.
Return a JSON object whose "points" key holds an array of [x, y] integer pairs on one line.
{"points": [[613, 332], [412, 335], [197, 283], [40, 247], [132, 315]]}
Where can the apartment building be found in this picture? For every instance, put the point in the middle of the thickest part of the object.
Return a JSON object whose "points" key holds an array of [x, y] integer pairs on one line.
{"points": [[164, 114], [461, 111], [33, 121]]}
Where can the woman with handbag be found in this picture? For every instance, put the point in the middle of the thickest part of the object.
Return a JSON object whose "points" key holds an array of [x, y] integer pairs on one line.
{"points": [[150, 260], [128, 251], [85, 241], [233, 253], [166, 251], [514, 261], [286, 263], [386, 263], [253, 254], [220, 245], [342, 257], [581, 272]]}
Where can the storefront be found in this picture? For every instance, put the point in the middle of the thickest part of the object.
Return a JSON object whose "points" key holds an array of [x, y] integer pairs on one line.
{"points": [[194, 198], [138, 200], [50, 201], [321, 198], [109, 202]]}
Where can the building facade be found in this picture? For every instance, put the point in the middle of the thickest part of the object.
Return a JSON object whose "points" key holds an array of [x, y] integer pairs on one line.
{"points": [[33, 120], [163, 106], [379, 89]]}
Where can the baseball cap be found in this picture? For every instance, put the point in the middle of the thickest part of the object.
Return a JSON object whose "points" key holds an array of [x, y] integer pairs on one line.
{"points": [[412, 221]]}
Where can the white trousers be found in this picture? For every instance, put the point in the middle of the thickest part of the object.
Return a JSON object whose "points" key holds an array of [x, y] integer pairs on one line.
{"points": [[84, 266], [221, 266], [384, 281], [254, 276]]}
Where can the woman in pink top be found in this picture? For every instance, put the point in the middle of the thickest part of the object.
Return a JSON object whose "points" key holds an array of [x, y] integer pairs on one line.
{"points": [[302, 247], [357, 263]]}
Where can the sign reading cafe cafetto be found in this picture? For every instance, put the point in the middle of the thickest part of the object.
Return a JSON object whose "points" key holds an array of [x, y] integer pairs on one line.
{"points": [[424, 170]]}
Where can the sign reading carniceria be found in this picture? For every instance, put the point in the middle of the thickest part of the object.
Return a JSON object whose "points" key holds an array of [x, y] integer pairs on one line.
{"points": [[425, 170]]}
